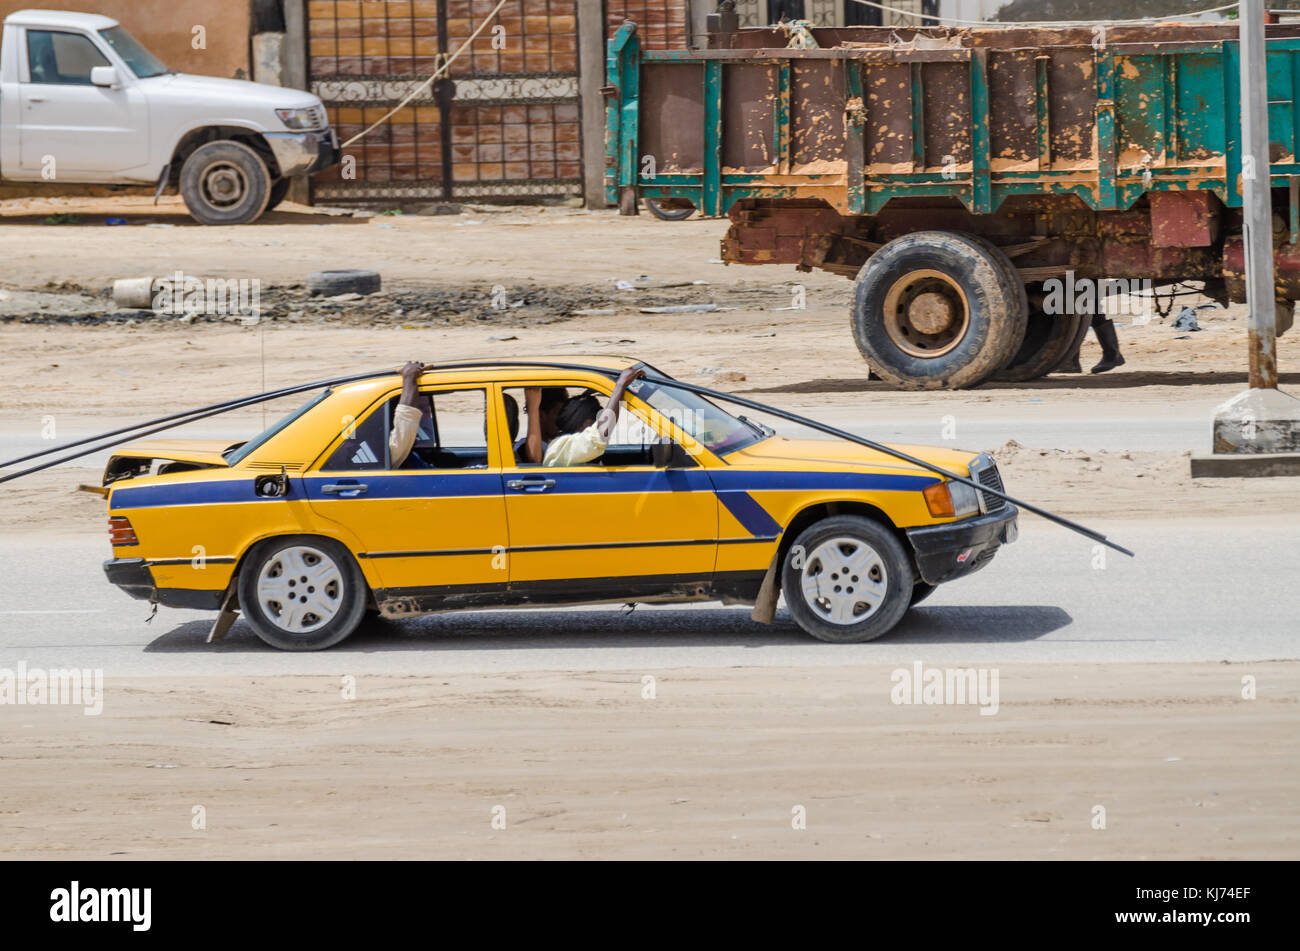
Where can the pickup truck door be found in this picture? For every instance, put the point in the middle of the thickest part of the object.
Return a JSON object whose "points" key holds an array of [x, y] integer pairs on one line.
{"points": [[67, 127]]}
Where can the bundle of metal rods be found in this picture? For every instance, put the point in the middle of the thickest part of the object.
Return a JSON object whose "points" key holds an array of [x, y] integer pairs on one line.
{"points": [[149, 427]]}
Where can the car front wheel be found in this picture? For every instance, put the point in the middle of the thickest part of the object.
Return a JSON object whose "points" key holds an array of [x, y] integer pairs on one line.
{"points": [[302, 593], [847, 579]]}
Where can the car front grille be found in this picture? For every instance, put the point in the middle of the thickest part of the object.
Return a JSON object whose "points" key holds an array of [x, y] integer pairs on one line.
{"points": [[989, 476]]}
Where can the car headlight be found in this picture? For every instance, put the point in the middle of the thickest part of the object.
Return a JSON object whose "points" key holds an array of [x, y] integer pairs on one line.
{"points": [[300, 120], [951, 500]]}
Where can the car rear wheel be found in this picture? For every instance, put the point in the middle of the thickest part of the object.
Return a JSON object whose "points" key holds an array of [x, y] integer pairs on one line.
{"points": [[847, 579], [225, 183], [302, 593], [938, 310]]}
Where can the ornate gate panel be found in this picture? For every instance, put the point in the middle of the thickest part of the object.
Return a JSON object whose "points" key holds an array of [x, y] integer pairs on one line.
{"points": [[505, 125]]}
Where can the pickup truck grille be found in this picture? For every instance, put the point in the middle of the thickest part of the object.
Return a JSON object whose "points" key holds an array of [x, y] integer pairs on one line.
{"points": [[988, 476]]}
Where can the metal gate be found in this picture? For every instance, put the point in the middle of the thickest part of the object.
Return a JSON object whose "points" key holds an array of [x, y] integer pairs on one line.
{"points": [[506, 125], [661, 24]]}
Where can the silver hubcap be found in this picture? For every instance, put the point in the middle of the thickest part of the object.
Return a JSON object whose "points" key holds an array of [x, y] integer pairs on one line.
{"points": [[844, 580], [224, 185], [300, 589]]}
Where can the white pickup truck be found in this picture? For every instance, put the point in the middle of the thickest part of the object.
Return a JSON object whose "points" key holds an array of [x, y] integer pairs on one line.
{"points": [[81, 101]]}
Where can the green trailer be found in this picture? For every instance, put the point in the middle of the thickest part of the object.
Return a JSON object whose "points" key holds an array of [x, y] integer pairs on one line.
{"points": [[974, 183]]}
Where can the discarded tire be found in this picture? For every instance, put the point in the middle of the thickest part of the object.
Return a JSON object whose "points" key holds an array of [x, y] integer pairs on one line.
{"points": [[938, 310], [332, 283], [670, 209]]}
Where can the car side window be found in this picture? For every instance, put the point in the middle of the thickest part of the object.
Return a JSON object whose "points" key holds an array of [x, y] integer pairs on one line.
{"points": [[453, 430], [365, 445], [62, 59]]}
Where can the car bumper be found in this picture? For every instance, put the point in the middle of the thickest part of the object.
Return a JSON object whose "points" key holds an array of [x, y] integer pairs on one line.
{"points": [[954, 549], [133, 576], [299, 153]]}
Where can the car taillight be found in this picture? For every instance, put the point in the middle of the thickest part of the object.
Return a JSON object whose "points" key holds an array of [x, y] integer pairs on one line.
{"points": [[120, 531]]}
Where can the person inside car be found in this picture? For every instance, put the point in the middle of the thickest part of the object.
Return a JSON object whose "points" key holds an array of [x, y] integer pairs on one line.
{"points": [[406, 419], [543, 404], [585, 428]]}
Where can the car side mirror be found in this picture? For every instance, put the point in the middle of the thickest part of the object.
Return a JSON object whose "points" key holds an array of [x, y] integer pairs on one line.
{"points": [[103, 76], [667, 454]]}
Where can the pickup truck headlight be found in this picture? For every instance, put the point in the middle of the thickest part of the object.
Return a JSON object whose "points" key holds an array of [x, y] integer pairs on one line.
{"points": [[300, 120], [951, 500]]}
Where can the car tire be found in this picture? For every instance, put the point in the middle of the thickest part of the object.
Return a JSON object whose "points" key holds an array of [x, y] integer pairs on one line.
{"points": [[324, 614], [847, 579], [938, 310], [225, 183], [332, 283], [279, 191]]}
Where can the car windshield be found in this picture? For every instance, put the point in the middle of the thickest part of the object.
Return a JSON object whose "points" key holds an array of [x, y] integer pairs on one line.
{"points": [[239, 453], [717, 430], [143, 63]]}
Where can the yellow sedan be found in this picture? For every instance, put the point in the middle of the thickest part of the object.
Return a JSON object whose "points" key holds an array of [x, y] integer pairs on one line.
{"points": [[309, 525]]}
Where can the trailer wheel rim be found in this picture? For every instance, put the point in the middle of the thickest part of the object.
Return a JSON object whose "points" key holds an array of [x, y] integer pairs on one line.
{"points": [[844, 580], [300, 589], [926, 313], [224, 184]]}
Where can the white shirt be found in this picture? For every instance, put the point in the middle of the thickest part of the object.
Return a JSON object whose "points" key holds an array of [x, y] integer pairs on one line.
{"points": [[573, 449], [406, 426]]}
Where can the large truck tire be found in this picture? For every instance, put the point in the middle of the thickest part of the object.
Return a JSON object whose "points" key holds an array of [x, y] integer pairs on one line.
{"points": [[225, 183], [1048, 340], [938, 310]]}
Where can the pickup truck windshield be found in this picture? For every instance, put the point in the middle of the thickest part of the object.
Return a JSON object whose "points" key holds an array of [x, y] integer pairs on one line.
{"points": [[143, 63], [717, 430]]}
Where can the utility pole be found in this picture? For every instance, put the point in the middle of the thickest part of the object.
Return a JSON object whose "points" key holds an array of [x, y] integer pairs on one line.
{"points": [[1257, 199], [1256, 432]]}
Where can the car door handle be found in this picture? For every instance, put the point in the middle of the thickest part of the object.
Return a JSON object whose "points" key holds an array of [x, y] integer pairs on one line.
{"points": [[345, 489], [530, 485]]}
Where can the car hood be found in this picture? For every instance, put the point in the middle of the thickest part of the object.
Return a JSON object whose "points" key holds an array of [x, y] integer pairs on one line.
{"points": [[213, 90], [778, 451]]}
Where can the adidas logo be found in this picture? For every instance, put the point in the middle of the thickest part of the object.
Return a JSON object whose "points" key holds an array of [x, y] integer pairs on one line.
{"points": [[364, 454]]}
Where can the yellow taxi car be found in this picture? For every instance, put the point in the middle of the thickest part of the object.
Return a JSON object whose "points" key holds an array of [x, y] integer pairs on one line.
{"points": [[307, 526]]}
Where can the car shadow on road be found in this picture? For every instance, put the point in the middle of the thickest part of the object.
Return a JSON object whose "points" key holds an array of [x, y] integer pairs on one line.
{"points": [[569, 630]]}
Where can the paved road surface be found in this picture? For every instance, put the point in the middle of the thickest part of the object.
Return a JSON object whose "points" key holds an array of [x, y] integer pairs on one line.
{"points": [[1188, 596]]}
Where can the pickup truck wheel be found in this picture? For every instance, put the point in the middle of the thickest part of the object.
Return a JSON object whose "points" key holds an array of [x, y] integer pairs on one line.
{"points": [[938, 310], [1048, 339], [225, 183], [302, 592], [278, 192], [847, 579]]}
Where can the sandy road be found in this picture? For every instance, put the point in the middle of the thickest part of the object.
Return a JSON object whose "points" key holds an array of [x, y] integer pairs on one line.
{"points": [[582, 764]]}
